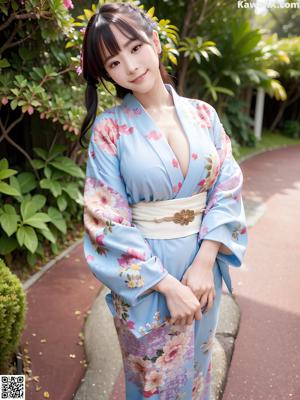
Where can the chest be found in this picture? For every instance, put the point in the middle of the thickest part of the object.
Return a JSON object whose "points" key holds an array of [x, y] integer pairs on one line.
{"points": [[171, 129]]}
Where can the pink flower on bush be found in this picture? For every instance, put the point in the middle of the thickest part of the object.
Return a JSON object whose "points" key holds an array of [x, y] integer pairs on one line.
{"points": [[30, 110], [68, 4], [4, 100]]}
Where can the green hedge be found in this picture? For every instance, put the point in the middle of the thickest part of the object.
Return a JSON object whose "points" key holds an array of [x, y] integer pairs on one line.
{"points": [[13, 308]]}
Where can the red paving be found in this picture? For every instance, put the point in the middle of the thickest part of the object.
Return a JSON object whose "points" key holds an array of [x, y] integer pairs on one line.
{"points": [[266, 359], [53, 300]]}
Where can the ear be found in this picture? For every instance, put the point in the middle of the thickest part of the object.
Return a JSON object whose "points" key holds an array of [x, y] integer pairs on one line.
{"points": [[156, 41]]}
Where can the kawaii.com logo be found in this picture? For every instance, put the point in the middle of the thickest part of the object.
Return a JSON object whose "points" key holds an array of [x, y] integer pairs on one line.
{"points": [[267, 4]]}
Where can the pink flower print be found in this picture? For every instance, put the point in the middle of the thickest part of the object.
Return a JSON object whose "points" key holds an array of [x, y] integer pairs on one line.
{"points": [[130, 324], [204, 114], [105, 198], [138, 365], [243, 231], [195, 156], [132, 112], [118, 219], [154, 135], [99, 240], [172, 352], [153, 381], [136, 254], [68, 4], [175, 163], [202, 182], [198, 387], [149, 394], [90, 258], [125, 260], [92, 154], [125, 129], [176, 188], [106, 135]]}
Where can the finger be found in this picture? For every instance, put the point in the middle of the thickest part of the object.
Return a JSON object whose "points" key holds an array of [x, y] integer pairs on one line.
{"points": [[198, 314], [210, 300], [182, 322], [178, 321], [184, 280], [203, 300], [190, 320]]}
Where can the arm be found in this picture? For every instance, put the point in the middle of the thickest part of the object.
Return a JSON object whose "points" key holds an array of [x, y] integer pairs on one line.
{"points": [[223, 232], [115, 250]]}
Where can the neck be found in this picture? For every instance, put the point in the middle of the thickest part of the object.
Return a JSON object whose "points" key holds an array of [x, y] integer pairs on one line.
{"points": [[157, 99]]}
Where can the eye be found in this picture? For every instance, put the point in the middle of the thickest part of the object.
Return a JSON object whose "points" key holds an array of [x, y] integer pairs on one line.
{"points": [[112, 64], [136, 47]]}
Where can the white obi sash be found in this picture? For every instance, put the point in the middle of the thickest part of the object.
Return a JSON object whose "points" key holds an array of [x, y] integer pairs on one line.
{"points": [[169, 219]]}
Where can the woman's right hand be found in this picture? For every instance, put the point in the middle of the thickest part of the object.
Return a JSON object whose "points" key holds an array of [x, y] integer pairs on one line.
{"points": [[182, 303]]}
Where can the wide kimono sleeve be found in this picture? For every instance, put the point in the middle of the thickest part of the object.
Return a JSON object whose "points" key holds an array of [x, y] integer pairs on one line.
{"points": [[114, 248], [224, 217]]}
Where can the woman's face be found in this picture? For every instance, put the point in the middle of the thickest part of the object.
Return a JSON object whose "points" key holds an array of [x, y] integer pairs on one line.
{"points": [[136, 58]]}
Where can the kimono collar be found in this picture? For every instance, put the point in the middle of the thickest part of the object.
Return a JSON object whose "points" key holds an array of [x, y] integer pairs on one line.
{"points": [[145, 125]]}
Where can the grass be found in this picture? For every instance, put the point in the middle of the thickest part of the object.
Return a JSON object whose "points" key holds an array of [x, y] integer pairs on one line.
{"points": [[269, 140]]}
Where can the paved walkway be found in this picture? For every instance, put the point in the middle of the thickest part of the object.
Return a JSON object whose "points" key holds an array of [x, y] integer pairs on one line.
{"points": [[266, 359], [58, 303]]}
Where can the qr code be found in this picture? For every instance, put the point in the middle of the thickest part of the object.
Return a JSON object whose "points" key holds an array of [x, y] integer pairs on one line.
{"points": [[12, 387]]}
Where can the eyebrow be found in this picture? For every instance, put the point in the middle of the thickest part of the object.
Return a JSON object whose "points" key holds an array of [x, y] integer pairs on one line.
{"points": [[125, 45]]}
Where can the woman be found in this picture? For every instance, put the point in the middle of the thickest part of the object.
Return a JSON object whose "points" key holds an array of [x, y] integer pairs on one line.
{"points": [[163, 211]]}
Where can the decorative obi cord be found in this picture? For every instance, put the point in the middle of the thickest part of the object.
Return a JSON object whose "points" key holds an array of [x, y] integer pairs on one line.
{"points": [[169, 219]]}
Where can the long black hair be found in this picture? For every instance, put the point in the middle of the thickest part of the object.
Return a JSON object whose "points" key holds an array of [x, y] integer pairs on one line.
{"points": [[98, 35]]}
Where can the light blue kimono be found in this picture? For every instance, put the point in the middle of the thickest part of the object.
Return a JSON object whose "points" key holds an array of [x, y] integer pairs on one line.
{"points": [[130, 160]]}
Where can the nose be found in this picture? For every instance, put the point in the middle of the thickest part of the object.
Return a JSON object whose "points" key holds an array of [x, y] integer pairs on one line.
{"points": [[130, 66]]}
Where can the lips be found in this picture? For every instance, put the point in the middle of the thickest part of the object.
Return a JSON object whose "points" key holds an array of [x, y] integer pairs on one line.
{"points": [[140, 76]]}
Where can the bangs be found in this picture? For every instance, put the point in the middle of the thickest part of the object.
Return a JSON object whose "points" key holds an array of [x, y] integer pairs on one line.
{"points": [[104, 39]]}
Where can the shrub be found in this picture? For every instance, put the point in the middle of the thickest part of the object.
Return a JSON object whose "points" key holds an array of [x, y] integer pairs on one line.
{"points": [[291, 128], [13, 308]]}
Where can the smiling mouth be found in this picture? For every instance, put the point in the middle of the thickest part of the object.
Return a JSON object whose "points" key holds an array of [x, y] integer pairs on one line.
{"points": [[136, 79]]}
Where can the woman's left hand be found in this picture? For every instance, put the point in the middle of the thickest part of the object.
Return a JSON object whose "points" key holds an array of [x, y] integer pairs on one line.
{"points": [[200, 279]]}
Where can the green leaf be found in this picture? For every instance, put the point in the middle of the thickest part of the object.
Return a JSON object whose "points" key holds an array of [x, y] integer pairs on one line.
{"points": [[7, 244], [41, 153], [31, 258], [3, 163], [27, 209], [57, 219], [38, 201], [14, 104], [67, 165], [48, 235], [56, 150], [72, 190], [26, 236], [6, 173], [27, 181], [9, 219], [54, 186], [62, 203], [55, 248], [7, 189], [47, 172], [38, 220], [37, 164], [4, 63]]}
